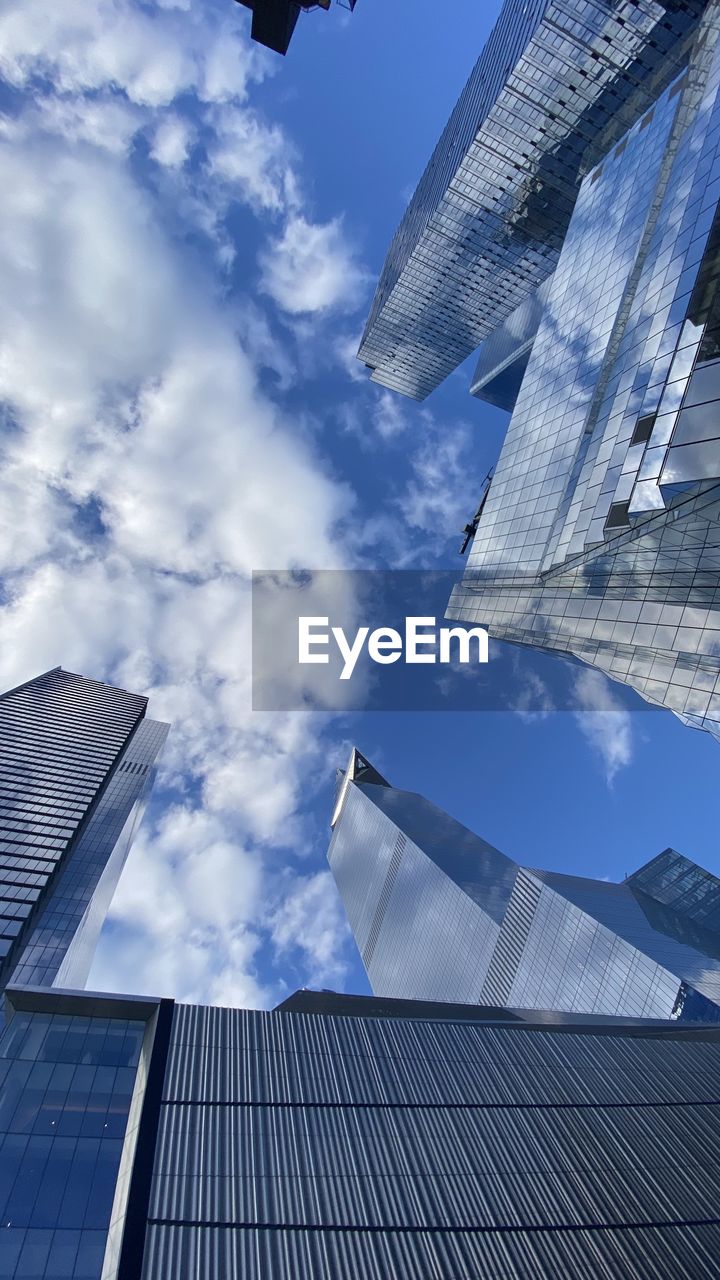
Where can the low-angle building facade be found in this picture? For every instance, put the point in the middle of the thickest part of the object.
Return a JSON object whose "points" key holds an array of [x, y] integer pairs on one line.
{"points": [[76, 770], [347, 1136], [568, 221], [439, 914], [344, 1135]]}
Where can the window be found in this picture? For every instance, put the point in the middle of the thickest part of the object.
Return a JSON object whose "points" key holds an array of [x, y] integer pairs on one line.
{"points": [[643, 429], [618, 515]]}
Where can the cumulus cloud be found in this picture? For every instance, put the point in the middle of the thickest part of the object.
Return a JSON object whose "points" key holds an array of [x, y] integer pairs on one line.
{"points": [[389, 419], [603, 721], [254, 159], [172, 141], [145, 472], [346, 349], [151, 58], [104, 121], [310, 268], [190, 883]]}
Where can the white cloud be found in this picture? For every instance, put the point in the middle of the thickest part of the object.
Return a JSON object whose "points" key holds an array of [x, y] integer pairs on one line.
{"points": [[105, 121], [192, 884], [310, 268], [603, 721], [532, 700], [346, 349], [254, 159], [443, 485], [263, 346], [172, 141], [389, 418], [115, 44], [311, 917]]}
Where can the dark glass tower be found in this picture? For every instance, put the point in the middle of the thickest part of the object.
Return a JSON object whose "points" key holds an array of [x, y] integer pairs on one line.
{"points": [[76, 769], [439, 914]]}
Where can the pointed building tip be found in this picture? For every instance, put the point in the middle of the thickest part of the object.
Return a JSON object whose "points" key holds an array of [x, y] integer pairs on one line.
{"points": [[359, 769]]}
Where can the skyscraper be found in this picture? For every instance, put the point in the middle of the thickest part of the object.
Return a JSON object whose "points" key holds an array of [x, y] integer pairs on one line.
{"points": [[348, 1136], [569, 221], [557, 84], [439, 914], [76, 770]]}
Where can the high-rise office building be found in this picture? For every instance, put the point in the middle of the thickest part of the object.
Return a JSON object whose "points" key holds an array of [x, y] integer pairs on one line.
{"points": [[349, 1136], [569, 221], [557, 84], [77, 764], [439, 914]]}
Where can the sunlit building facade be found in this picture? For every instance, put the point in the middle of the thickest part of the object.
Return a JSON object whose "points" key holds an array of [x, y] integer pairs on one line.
{"points": [[558, 84], [439, 914], [600, 534], [568, 222], [76, 768]]}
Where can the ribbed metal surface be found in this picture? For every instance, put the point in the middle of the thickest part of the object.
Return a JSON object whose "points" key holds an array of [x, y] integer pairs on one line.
{"points": [[301, 1145], [484, 1167], [680, 1253], [235, 1055]]}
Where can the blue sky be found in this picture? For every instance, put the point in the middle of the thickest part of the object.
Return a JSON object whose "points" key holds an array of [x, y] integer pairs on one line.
{"points": [[188, 249]]}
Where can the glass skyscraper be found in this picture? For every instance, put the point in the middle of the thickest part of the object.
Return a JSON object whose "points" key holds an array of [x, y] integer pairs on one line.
{"points": [[77, 765], [558, 83], [569, 222], [439, 914]]}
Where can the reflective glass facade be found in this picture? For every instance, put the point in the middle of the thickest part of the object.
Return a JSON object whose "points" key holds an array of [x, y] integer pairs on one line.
{"points": [[66, 1083], [438, 914], [600, 535], [557, 82], [77, 766]]}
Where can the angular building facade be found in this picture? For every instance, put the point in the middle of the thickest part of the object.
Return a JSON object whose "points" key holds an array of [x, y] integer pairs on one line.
{"points": [[439, 914], [557, 85], [77, 765], [349, 1136], [569, 221]]}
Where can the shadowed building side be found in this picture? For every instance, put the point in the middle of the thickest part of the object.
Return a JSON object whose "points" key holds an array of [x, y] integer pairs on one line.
{"points": [[346, 1136]]}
